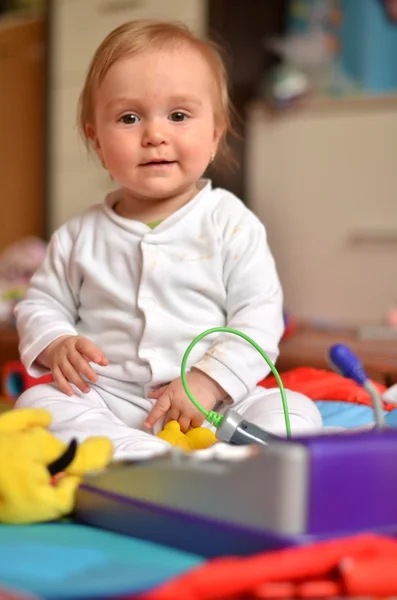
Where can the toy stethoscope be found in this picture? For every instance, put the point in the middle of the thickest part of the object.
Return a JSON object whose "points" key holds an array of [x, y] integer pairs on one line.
{"points": [[231, 427]]}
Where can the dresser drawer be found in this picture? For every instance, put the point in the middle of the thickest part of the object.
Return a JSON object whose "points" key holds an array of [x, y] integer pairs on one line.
{"points": [[80, 25], [324, 182]]}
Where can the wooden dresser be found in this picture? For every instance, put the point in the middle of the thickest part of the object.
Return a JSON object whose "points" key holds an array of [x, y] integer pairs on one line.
{"points": [[22, 128], [308, 347], [323, 179]]}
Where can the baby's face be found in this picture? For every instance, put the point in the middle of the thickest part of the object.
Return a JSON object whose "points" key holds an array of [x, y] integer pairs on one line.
{"points": [[154, 124]]}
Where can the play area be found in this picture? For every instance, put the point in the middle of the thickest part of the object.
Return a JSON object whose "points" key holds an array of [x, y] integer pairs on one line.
{"points": [[78, 525], [198, 302]]}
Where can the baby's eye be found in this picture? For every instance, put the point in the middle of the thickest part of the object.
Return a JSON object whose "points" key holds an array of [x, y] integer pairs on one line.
{"points": [[178, 116], [129, 119]]}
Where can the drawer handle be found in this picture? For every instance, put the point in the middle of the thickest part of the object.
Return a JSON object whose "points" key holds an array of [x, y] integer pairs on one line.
{"points": [[114, 6], [375, 236]]}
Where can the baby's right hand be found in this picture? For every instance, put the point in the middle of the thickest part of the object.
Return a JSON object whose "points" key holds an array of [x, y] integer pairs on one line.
{"points": [[68, 358]]}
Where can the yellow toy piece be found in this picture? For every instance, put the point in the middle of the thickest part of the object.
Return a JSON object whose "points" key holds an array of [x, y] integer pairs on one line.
{"points": [[201, 438], [197, 438], [28, 491]]}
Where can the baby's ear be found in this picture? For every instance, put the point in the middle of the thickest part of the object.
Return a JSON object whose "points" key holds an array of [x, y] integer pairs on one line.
{"points": [[92, 138], [89, 131], [219, 131], [93, 141]]}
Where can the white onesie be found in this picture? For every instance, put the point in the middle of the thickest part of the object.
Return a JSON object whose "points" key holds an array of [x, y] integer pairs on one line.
{"points": [[141, 296]]}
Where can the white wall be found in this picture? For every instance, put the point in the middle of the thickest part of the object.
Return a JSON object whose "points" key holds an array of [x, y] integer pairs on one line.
{"points": [[76, 180]]}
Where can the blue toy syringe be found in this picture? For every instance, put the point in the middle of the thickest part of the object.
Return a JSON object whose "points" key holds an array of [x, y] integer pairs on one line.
{"points": [[346, 363]]}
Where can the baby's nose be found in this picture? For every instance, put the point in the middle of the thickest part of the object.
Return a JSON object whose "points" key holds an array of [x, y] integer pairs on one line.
{"points": [[154, 134]]}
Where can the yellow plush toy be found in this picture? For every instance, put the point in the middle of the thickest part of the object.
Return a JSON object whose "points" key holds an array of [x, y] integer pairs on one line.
{"points": [[197, 438], [39, 474]]}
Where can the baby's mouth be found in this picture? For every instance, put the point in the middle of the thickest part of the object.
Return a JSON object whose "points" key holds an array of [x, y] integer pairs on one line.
{"points": [[157, 163]]}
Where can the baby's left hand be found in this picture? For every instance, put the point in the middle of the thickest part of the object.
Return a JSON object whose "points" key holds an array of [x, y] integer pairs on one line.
{"points": [[173, 403]]}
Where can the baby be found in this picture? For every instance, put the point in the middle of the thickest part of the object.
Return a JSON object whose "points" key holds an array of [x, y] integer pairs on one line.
{"points": [[126, 286]]}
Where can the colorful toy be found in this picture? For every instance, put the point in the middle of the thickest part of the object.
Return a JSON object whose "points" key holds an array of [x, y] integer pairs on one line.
{"points": [[197, 438], [321, 486], [18, 262], [15, 380], [39, 474], [290, 492]]}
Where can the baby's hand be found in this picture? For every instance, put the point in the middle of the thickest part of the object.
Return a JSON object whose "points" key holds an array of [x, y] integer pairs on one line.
{"points": [[68, 358], [173, 403]]}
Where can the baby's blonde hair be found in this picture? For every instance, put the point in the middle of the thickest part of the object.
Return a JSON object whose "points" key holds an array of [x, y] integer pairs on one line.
{"points": [[135, 37]]}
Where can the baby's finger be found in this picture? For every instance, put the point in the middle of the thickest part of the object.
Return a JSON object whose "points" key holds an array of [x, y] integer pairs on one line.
{"points": [[81, 365], [73, 377], [184, 423], [159, 409], [155, 394], [172, 415], [91, 352], [197, 419], [61, 381]]}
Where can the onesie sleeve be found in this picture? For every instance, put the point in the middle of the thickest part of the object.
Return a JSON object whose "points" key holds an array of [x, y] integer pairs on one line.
{"points": [[49, 307], [254, 306]]}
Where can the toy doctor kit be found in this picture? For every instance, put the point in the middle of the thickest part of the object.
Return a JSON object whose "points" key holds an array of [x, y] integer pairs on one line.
{"points": [[283, 491]]}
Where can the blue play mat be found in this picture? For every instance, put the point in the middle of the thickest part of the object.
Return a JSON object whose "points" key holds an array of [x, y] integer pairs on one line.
{"points": [[345, 414], [67, 561]]}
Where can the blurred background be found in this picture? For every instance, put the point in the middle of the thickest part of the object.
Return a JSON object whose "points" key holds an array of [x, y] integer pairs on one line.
{"points": [[314, 84]]}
